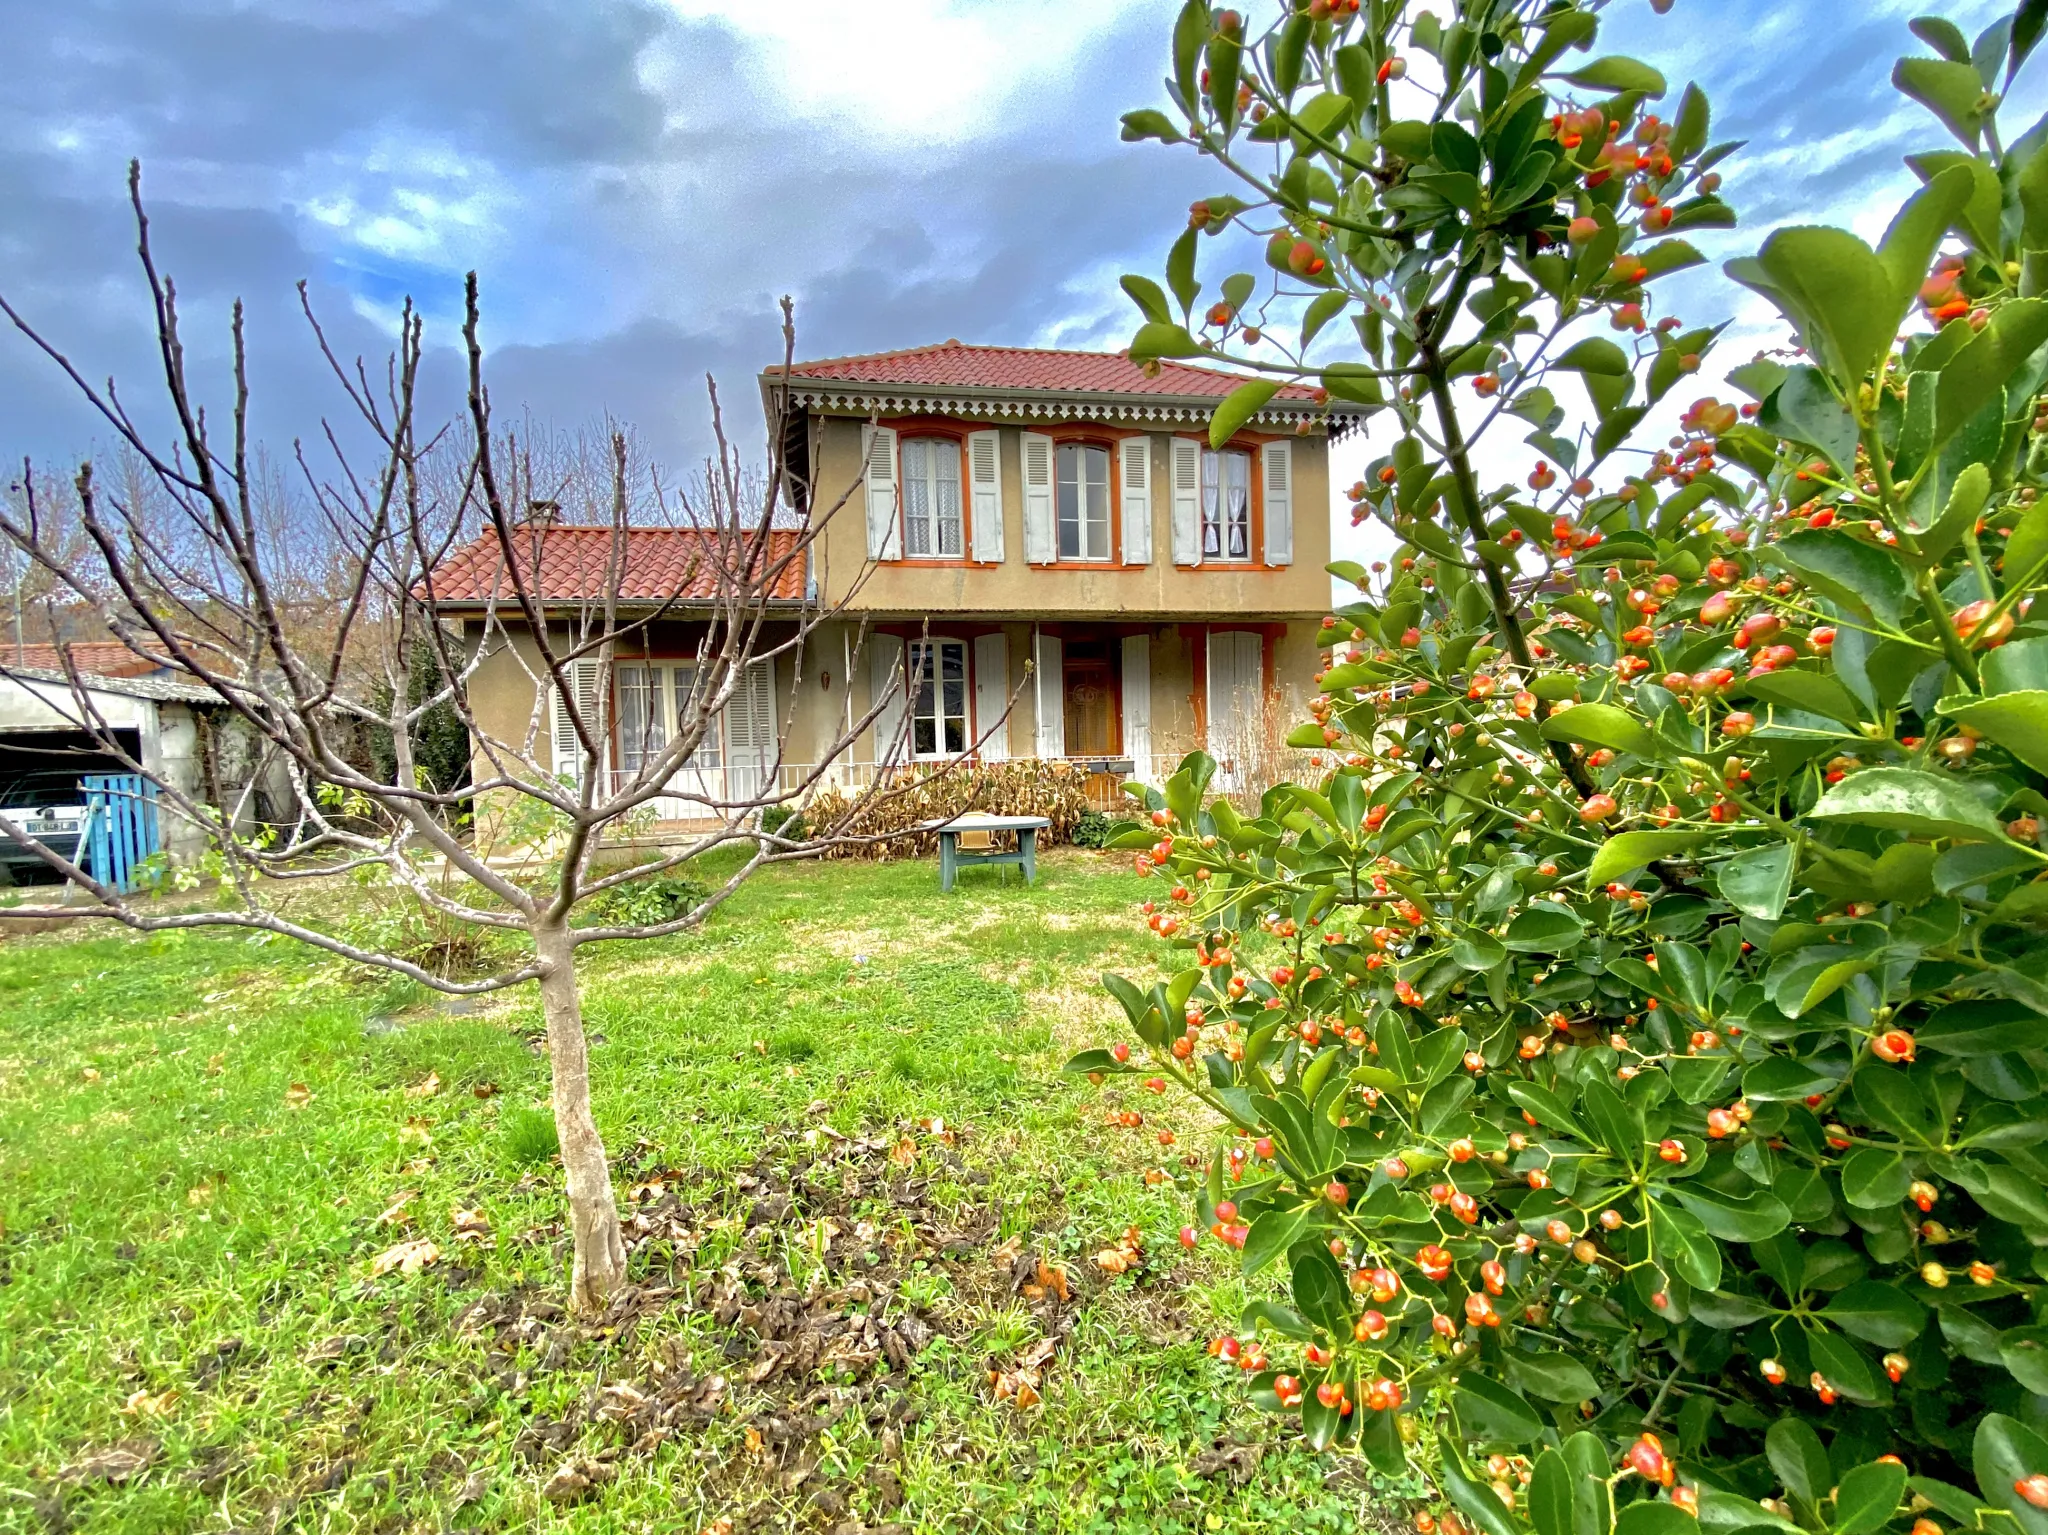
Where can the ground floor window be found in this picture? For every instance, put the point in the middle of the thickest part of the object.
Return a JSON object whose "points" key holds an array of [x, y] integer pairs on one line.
{"points": [[653, 699], [938, 697]]}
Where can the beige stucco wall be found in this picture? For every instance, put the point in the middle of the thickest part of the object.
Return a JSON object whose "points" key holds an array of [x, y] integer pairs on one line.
{"points": [[1069, 590]]}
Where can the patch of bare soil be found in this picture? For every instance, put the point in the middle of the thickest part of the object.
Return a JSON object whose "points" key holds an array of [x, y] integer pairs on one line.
{"points": [[785, 1356]]}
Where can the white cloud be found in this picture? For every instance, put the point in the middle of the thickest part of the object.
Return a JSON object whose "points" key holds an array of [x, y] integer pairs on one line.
{"points": [[937, 71]]}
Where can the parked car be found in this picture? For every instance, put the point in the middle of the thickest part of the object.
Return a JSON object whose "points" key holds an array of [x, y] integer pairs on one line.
{"points": [[48, 805]]}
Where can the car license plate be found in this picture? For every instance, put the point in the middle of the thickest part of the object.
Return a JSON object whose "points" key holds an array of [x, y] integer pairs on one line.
{"points": [[51, 828]]}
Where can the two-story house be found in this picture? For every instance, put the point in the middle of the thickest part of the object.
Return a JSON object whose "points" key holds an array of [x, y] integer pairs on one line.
{"points": [[999, 506]]}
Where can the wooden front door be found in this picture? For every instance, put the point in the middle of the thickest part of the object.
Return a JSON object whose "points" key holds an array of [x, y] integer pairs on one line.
{"points": [[1091, 711]]}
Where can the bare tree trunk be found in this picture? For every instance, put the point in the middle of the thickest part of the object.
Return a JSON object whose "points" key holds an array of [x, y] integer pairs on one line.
{"points": [[593, 1212]]}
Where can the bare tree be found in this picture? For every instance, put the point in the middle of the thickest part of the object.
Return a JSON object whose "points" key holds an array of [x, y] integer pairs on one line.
{"points": [[187, 558]]}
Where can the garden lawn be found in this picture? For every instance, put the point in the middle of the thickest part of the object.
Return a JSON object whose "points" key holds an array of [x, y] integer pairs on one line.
{"points": [[839, 1130]]}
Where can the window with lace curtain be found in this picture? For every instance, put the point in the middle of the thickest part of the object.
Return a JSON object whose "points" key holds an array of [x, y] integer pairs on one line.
{"points": [[931, 499], [1226, 506]]}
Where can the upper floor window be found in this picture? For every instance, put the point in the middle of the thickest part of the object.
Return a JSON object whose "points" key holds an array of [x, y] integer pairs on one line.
{"points": [[931, 499], [938, 699], [1226, 505], [1083, 502]]}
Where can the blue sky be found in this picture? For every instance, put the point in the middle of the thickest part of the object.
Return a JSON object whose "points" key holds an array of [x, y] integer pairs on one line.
{"points": [[637, 180]]}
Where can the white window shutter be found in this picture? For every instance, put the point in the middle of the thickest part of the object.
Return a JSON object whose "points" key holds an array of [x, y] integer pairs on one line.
{"points": [[1237, 679], [985, 478], [1137, 682], [750, 731], [1050, 693], [585, 681], [1187, 501], [992, 695], [885, 527], [885, 672], [1040, 547], [1278, 463], [1137, 476]]}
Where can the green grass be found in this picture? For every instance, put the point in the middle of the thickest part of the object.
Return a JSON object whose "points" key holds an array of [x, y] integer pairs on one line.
{"points": [[199, 1135]]}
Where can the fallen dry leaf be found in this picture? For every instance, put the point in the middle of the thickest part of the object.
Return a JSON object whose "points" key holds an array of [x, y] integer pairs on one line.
{"points": [[216, 1063], [394, 1214], [90, 1074], [472, 1226], [118, 1463], [142, 1404], [298, 1095], [1114, 1260], [426, 1087], [904, 1153], [484, 1090], [406, 1257]]}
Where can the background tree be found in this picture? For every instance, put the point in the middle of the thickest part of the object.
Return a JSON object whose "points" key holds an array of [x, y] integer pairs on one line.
{"points": [[189, 558], [1632, 1044]]}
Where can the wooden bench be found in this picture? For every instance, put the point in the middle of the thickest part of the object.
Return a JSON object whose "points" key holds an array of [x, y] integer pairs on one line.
{"points": [[953, 855]]}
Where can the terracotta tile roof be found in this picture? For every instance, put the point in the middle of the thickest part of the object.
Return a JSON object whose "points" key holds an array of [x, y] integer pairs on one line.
{"points": [[97, 658], [952, 365], [659, 564]]}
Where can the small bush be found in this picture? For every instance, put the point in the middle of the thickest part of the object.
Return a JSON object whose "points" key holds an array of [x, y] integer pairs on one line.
{"points": [[782, 820], [1094, 829], [645, 902], [530, 1137]]}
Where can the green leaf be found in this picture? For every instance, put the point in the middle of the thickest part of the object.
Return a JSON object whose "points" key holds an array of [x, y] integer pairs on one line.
{"points": [[1602, 725], [1867, 1497], [1618, 73], [1544, 929], [1474, 1497], [1238, 407], [1865, 577], [1546, 1106], [1621, 855], [1272, 1234], [1877, 1313], [1912, 800], [1190, 32], [1553, 1377], [1148, 296], [1652, 1516], [1780, 1079], [1180, 270], [1949, 89], [1795, 1453], [1835, 290], [1585, 1457], [1814, 692], [2025, 1352], [1597, 355], [1806, 410], [1155, 340], [1147, 123], [1942, 35], [1759, 882], [1978, 373], [1873, 1178], [1327, 307], [1489, 1410], [1734, 1217], [2016, 721], [1908, 247], [1550, 1495], [1991, 1026], [1284, 1320], [1097, 1061], [2007, 1452]]}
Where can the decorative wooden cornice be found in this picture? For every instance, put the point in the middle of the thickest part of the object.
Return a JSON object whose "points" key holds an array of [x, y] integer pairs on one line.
{"points": [[837, 397]]}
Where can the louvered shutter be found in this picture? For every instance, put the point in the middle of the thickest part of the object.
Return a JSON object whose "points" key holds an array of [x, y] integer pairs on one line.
{"points": [[885, 527], [1278, 463], [750, 731], [1137, 477], [992, 695], [1236, 683], [985, 478], [1050, 683], [1040, 547], [885, 672], [1137, 682], [586, 683], [1187, 501]]}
